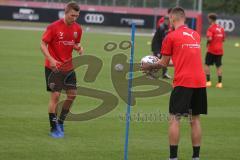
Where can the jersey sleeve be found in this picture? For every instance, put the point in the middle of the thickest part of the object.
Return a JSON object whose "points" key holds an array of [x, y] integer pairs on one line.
{"points": [[78, 40], [224, 34], [167, 46], [48, 34], [160, 21], [209, 33], [157, 40]]}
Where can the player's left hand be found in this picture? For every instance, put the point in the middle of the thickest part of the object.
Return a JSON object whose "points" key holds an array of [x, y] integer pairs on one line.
{"points": [[79, 49], [170, 64]]}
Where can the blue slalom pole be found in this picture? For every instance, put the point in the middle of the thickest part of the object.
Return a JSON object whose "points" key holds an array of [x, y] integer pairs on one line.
{"points": [[129, 92], [193, 23]]}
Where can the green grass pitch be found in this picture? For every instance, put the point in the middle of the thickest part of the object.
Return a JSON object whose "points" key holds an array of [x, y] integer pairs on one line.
{"points": [[24, 125]]}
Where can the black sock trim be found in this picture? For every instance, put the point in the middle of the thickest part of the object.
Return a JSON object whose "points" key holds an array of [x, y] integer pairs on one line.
{"points": [[196, 151], [173, 151], [219, 79], [208, 77], [63, 116], [53, 121]]}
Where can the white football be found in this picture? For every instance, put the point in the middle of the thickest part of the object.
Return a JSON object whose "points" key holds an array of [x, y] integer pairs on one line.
{"points": [[119, 67], [149, 59]]}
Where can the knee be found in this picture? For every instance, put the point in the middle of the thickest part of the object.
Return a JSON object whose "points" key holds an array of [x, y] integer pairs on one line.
{"points": [[206, 67], [195, 121], [219, 69], [55, 96], [174, 120], [71, 96]]}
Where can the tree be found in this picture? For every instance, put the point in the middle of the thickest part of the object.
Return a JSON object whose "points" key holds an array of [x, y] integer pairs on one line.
{"points": [[222, 6]]}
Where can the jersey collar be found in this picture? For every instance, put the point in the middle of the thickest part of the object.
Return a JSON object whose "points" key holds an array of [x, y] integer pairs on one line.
{"points": [[214, 24], [182, 27], [65, 23]]}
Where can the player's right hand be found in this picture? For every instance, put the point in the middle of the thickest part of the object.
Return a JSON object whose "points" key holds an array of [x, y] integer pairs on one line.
{"points": [[54, 64]]}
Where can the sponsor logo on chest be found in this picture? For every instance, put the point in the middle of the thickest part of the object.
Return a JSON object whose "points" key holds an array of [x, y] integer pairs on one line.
{"points": [[65, 39]]}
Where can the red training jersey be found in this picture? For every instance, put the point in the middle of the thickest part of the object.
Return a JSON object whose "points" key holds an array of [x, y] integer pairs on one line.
{"points": [[61, 39], [160, 21], [215, 46], [183, 45]]}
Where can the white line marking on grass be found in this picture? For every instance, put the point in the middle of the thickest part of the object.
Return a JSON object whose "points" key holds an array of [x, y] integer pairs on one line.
{"points": [[99, 31], [22, 28]]}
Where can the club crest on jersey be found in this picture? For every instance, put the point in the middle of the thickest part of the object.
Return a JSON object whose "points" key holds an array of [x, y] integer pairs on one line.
{"points": [[75, 35], [60, 35]]}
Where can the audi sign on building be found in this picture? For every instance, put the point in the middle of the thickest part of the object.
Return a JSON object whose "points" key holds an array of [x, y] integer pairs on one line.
{"points": [[93, 18], [229, 23]]}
